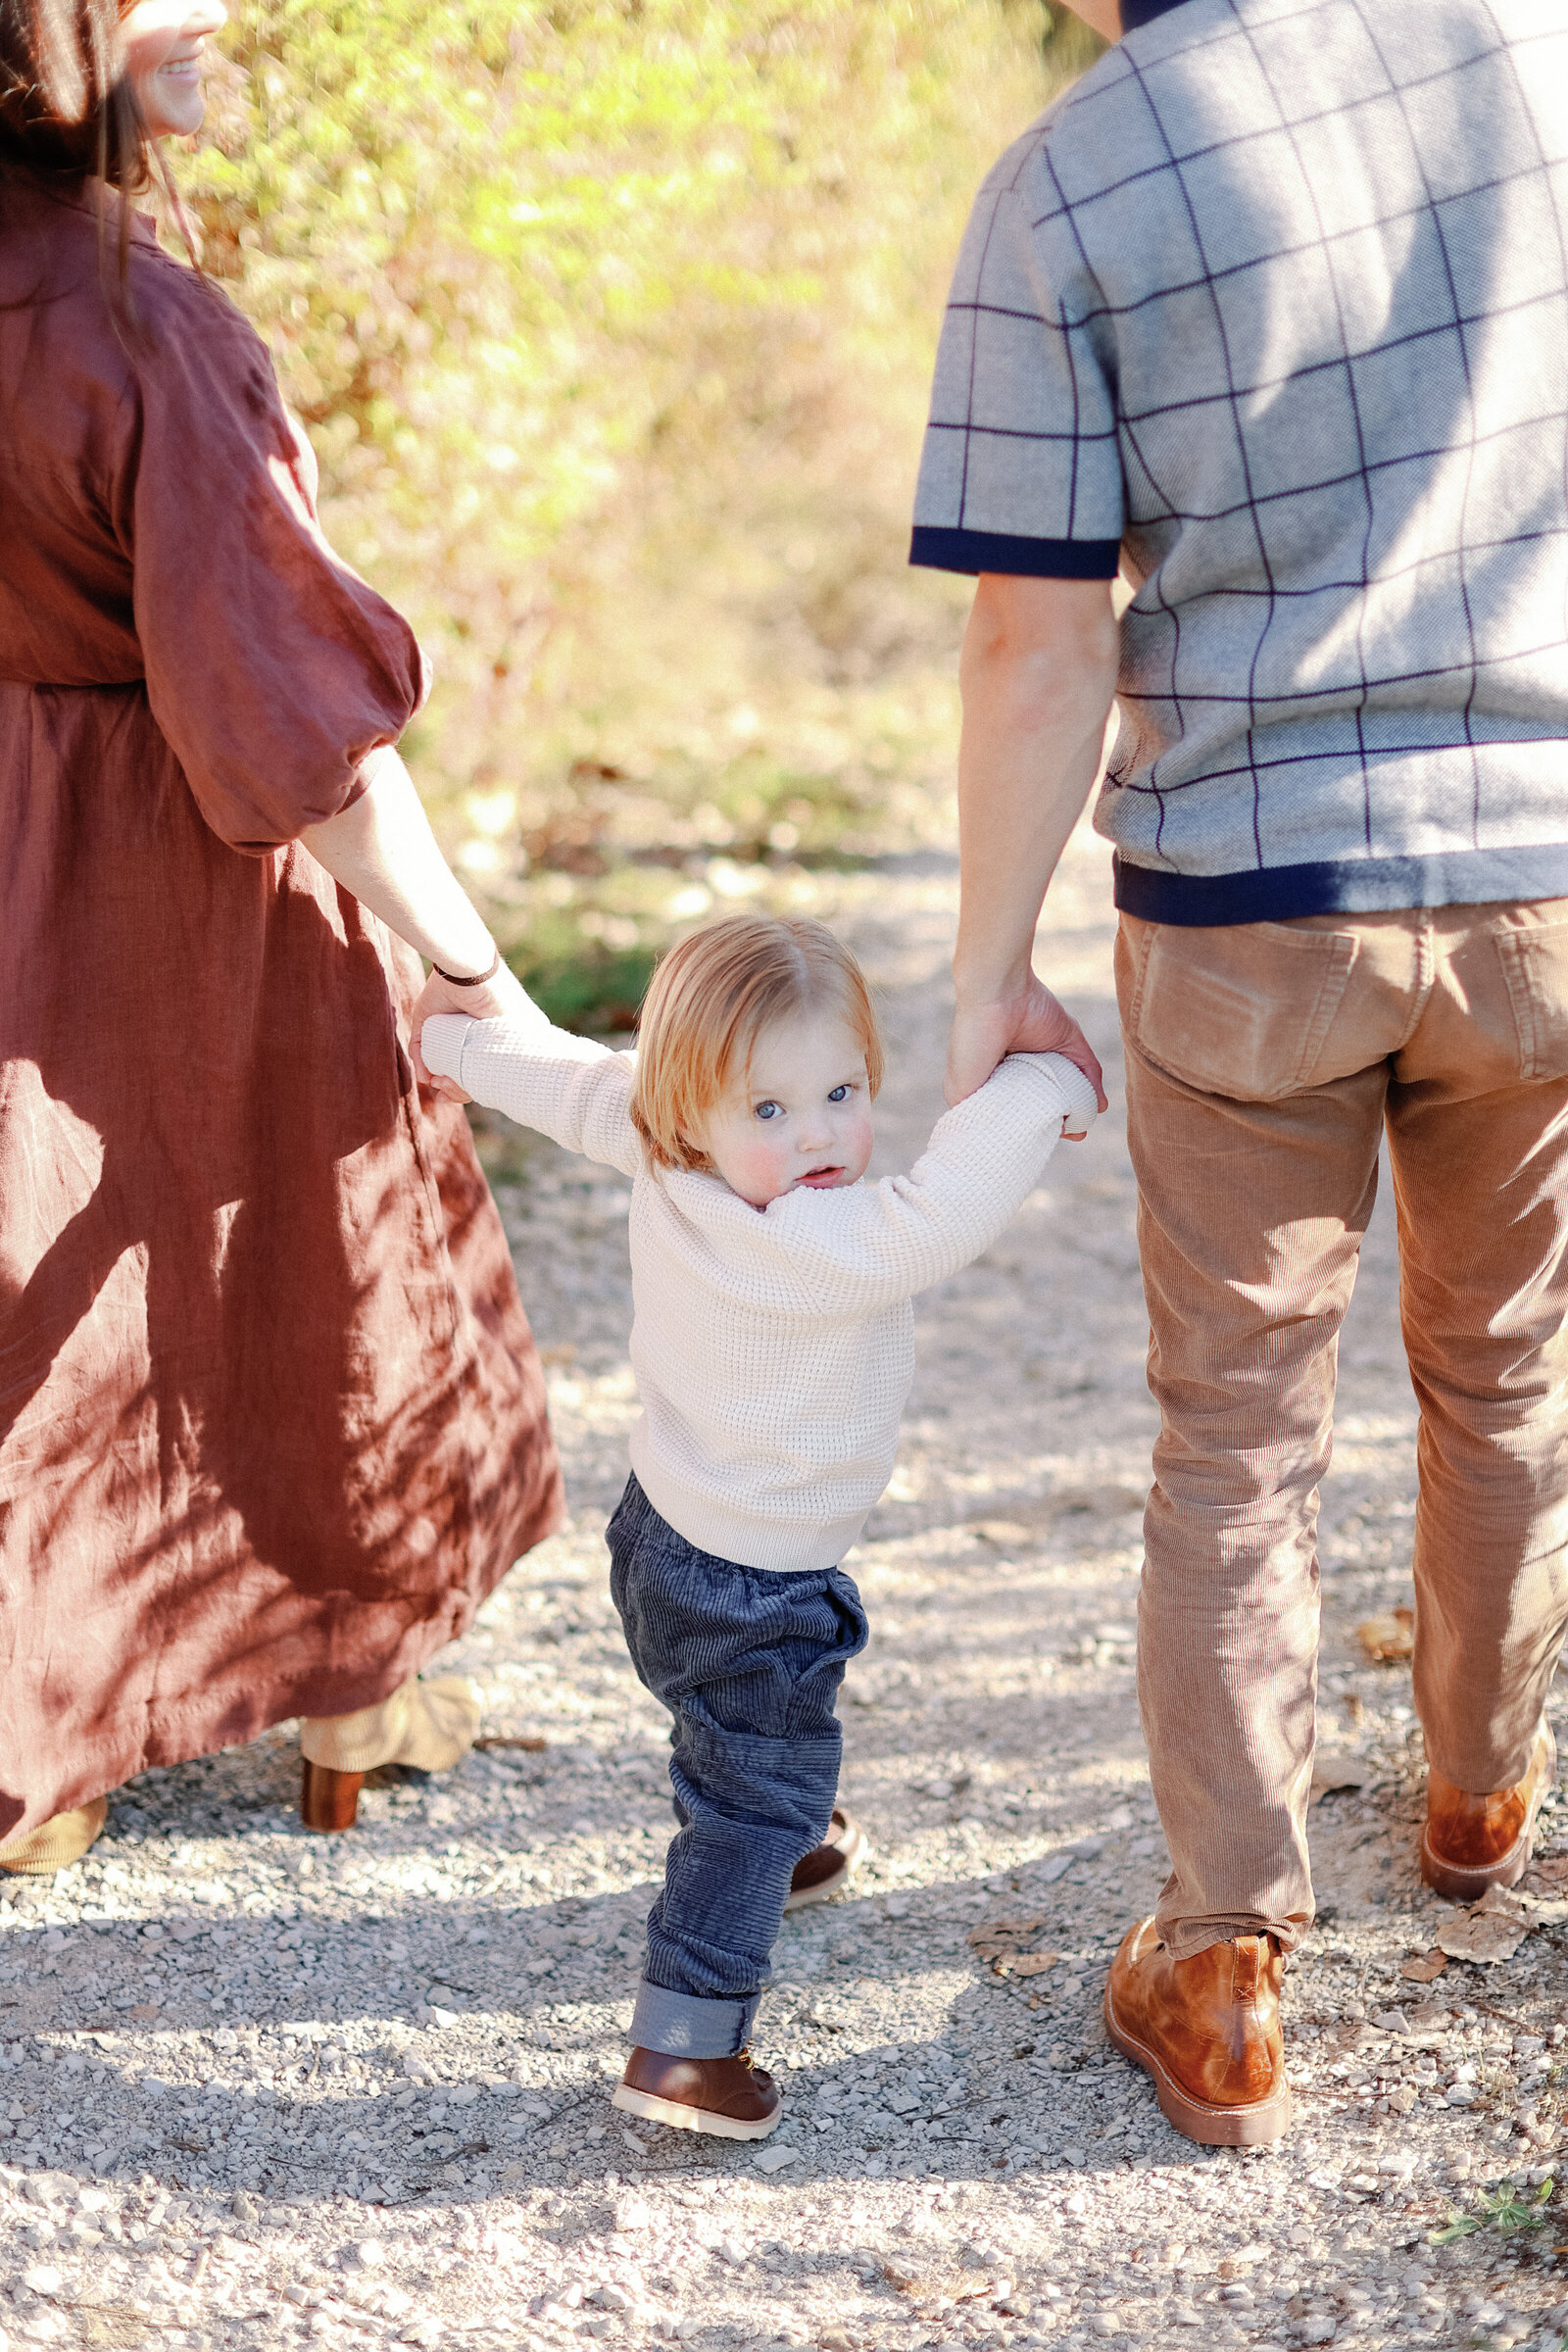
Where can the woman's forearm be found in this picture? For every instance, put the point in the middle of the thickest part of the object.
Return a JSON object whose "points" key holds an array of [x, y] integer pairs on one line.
{"points": [[381, 848]]}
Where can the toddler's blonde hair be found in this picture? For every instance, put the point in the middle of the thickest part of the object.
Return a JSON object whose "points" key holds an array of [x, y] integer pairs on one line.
{"points": [[709, 1003]]}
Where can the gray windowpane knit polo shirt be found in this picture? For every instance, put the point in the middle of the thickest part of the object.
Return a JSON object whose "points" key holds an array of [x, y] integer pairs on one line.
{"points": [[1273, 306]]}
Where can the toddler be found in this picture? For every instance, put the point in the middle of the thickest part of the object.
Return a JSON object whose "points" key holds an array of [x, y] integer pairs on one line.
{"points": [[773, 1345]]}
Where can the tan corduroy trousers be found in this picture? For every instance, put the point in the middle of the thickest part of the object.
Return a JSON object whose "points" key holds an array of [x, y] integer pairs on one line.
{"points": [[1265, 1062]]}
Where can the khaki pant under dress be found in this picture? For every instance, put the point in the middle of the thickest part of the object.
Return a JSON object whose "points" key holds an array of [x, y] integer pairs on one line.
{"points": [[1264, 1062]]}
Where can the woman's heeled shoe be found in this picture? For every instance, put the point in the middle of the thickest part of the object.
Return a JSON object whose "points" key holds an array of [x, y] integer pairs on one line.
{"points": [[330, 1800], [427, 1726]]}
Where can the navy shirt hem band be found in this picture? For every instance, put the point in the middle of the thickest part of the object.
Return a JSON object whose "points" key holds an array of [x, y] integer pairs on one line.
{"points": [[1518, 876]]}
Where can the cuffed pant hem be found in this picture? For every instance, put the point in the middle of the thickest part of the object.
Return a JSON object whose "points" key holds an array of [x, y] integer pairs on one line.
{"points": [[1184, 1940], [682, 2025]]}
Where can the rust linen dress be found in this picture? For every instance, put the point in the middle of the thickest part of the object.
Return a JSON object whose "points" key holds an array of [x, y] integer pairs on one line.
{"points": [[271, 1422]]}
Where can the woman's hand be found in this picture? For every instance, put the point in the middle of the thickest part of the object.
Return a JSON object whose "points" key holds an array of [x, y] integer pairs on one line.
{"points": [[494, 1000], [1030, 1020]]}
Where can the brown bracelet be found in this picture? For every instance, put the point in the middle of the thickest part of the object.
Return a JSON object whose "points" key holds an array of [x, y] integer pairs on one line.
{"points": [[477, 980]]}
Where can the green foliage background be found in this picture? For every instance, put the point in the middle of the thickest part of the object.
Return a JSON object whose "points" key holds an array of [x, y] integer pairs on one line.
{"points": [[611, 321]]}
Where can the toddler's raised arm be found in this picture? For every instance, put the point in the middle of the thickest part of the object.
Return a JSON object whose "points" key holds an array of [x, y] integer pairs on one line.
{"points": [[870, 1244], [568, 1087]]}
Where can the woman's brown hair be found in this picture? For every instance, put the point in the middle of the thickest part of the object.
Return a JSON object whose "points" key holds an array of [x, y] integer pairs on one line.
{"points": [[67, 109]]}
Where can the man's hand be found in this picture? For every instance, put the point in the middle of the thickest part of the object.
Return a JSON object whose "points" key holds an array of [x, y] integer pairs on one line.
{"points": [[1033, 1021], [498, 998]]}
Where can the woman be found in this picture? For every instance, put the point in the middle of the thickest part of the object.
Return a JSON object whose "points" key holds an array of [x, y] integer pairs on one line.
{"points": [[271, 1423]]}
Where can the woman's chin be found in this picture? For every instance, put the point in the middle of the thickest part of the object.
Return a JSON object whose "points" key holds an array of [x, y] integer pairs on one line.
{"points": [[173, 118]]}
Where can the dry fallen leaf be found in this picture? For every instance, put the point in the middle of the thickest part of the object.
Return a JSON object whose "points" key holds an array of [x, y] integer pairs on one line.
{"points": [[1548, 1874], [1390, 1638], [1490, 1932], [998, 1941], [1422, 1967], [994, 1931]]}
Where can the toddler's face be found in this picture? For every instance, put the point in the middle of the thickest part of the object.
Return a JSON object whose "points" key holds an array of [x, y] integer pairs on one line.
{"points": [[800, 1116]]}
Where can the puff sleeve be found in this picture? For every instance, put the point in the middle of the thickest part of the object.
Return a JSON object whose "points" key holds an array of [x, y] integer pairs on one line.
{"points": [[272, 667]]}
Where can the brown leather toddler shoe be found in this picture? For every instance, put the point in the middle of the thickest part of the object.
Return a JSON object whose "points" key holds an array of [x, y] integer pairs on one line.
{"points": [[827, 1869], [1207, 2029], [727, 2097], [1473, 1842]]}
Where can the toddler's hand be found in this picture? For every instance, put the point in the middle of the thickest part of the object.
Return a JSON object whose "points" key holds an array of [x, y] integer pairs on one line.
{"points": [[501, 999]]}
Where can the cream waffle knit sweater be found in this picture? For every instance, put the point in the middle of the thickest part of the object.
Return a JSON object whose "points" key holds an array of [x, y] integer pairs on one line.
{"points": [[773, 1348]]}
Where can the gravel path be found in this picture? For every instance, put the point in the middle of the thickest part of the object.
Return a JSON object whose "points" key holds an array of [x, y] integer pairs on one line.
{"points": [[262, 2087]]}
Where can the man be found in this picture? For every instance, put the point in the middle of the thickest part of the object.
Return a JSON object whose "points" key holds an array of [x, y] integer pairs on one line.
{"points": [[1271, 309]]}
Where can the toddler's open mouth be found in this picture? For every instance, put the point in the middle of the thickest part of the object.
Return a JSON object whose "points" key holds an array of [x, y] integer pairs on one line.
{"points": [[819, 1177]]}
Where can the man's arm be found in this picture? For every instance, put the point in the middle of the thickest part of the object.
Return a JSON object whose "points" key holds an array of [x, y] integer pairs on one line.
{"points": [[1038, 674]]}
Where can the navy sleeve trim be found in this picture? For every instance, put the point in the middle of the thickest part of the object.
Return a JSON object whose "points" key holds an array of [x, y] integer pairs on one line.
{"points": [[1026, 558]]}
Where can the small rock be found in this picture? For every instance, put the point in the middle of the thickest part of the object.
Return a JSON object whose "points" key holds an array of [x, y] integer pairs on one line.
{"points": [[612, 2298], [772, 2159], [242, 2206], [43, 2278]]}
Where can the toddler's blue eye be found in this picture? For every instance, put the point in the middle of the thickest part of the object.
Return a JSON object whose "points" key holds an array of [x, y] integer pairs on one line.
{"points": [[838, 1095], [767, 1111]]}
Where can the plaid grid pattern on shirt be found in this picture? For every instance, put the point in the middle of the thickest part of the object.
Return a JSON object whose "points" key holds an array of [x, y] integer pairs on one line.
{"points": [[1273, 304]]}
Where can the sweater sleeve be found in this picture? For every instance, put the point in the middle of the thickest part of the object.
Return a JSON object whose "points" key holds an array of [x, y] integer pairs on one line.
{"points": [[568, 1087], [870, 1246]]}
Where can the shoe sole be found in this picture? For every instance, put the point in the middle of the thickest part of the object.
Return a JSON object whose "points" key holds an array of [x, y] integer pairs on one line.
{"points": [[691, 2118], [853, 1853], [1457, 1885], [1212, 2127]]}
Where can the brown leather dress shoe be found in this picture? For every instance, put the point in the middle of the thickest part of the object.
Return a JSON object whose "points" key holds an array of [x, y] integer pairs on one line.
{"points": [[1473, 1842], [827, 1869], [1208, 2031], [728, 2097]]}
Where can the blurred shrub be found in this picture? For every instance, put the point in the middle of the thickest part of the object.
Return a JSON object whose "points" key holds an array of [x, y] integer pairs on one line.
{"points": [[611, 321]]}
